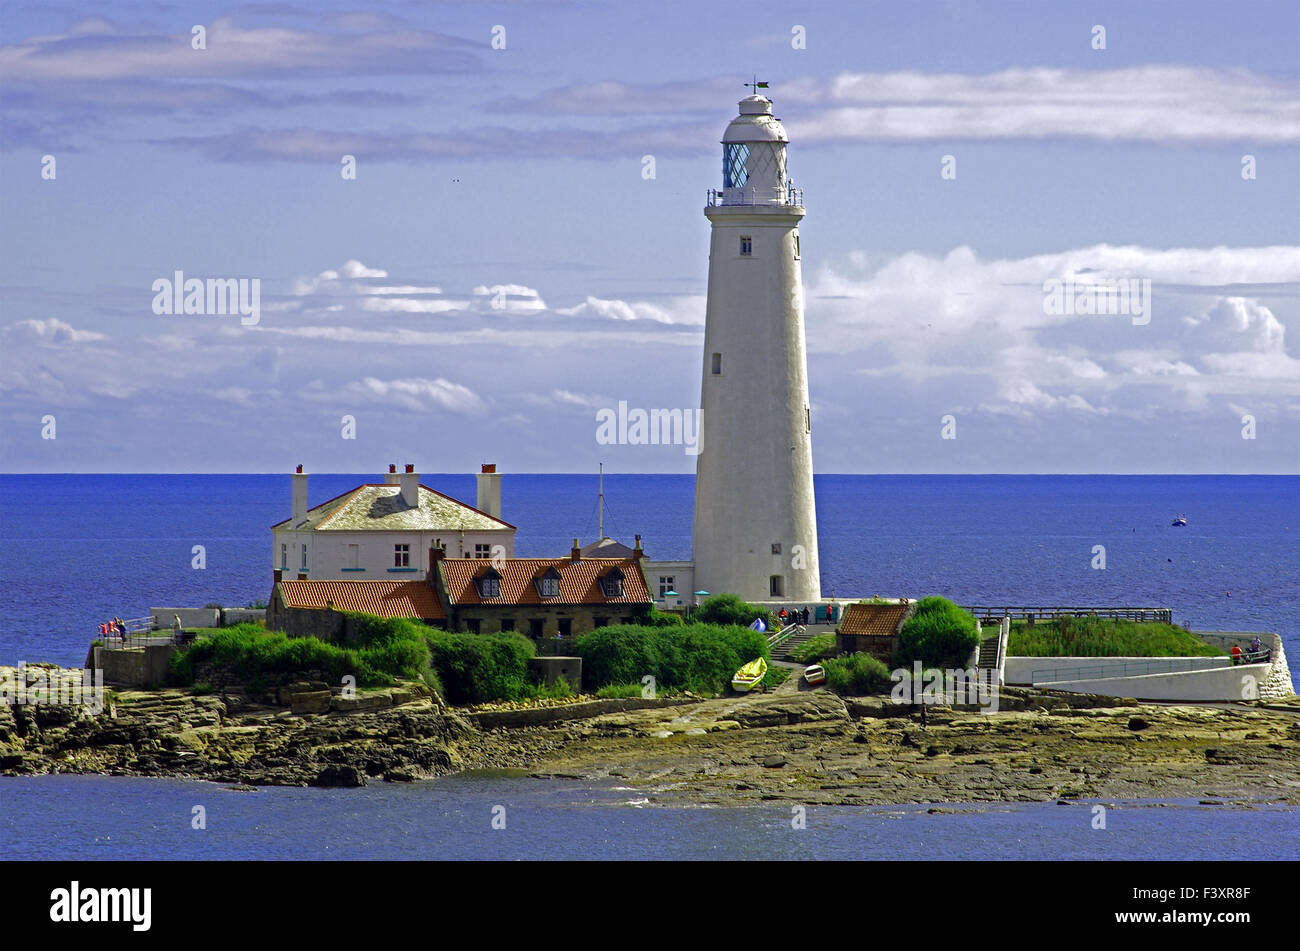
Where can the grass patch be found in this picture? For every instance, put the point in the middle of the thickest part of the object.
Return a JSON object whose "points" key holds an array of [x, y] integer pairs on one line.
{"points": [[814, 649], [1105, 637], [618, 691], [775, 676]]}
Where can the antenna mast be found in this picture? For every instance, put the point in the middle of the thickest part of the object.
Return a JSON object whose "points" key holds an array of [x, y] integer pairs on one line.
{"points": [[601, 504]]}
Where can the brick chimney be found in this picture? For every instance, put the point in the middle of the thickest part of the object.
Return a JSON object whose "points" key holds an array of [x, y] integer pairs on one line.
{"points": [[488, 499], [410, 482], [436, 554], [277, 576], [637, 553], [576, 554], [299, 495]]}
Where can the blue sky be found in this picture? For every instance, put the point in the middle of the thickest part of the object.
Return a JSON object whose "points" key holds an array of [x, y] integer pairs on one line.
{"points": [[501, 269]]}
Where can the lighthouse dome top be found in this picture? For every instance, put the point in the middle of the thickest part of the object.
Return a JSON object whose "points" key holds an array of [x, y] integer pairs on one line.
{"points": [[755, 123]]}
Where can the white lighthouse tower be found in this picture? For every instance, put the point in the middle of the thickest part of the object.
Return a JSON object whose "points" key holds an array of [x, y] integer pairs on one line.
{"points": [[755, 530]]}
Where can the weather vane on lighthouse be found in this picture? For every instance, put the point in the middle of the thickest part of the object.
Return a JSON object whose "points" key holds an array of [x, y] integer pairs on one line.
{"points": [[756, 85]]}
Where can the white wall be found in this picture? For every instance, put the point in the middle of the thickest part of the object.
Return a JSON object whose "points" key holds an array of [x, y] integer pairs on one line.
{"points": [[1021, 670], [1217, 683], [328, 554]]}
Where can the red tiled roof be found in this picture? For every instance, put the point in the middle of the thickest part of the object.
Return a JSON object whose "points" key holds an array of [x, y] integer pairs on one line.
{"points": [[409, 599], [878, 620], [579, 580]]}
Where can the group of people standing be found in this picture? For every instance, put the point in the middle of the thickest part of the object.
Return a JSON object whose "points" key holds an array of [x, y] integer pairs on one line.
{"points": [[804, 615], [113, 628]]}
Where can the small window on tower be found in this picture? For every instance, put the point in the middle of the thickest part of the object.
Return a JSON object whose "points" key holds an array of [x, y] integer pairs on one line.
{"points": [[796, 247], [807, 420], [776, 548], [776, 586], [717, 364], [746, 245]]}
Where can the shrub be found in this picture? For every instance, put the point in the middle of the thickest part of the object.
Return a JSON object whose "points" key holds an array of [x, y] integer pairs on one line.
{"points": [[856, 674], [814, 649], [479, 668], [728, 609], [696, 657], [657, 618], [612, 691], [939, 634]]}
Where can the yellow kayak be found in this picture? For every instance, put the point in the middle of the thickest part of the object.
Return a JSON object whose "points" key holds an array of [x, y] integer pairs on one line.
{"points": [[749, 676]]}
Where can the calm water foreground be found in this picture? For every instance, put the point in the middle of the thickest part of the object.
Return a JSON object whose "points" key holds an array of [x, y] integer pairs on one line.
{"points": [[99, 818]]}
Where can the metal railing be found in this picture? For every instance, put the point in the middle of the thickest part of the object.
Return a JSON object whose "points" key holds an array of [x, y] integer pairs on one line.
{"points": [[1048, 612], [783, 635], [749, 196]]}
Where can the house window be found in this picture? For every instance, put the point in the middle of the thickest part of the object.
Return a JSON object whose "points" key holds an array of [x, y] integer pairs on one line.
{"points": [[489, 584], [473, 625], [401, 556], [565, 626], [776, 586], [599, 622], [284, 557], [776, 548], [304, 557], [482, 551], [717, 364], [535, 627], [666, 584], [507, 624], [354, 556], [548, 585], [612, 584], [746, 245]]}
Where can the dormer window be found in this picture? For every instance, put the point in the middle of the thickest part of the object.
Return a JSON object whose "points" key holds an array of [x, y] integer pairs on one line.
{"points": [[489, 584], [612, 584], [548, 583]]}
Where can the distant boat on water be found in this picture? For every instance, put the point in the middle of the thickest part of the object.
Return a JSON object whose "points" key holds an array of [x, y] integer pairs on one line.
{"points": [[1180, 520]]}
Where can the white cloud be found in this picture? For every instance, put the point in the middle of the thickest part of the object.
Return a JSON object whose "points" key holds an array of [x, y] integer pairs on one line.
{"points": [[51, 333], [415, 394]]}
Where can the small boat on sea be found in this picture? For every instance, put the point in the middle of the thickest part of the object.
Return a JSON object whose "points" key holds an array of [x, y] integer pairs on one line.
{"points": [[1180, 520], [814, 675], [749, 676]]}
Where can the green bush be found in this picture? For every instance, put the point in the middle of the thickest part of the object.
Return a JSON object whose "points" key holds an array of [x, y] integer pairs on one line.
{"points": [[856, 674], [939, 634], [728, 609], [613, 691], [657, 618], [479, 668], [261, 657], [814, 649], [697, 657]]}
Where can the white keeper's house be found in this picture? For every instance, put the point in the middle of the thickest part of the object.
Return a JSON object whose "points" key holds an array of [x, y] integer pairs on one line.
{"points": [[384, 531]]}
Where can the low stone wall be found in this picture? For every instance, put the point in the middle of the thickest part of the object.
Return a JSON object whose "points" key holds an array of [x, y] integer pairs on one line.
{"points": [[557, 667], [232, 616], [536, 716], [163, 618], [134, 667]]}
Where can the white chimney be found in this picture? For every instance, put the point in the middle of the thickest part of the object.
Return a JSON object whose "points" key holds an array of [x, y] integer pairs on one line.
{"points": [[390, 477], [299, 495], [410, 487], [489, 491]]}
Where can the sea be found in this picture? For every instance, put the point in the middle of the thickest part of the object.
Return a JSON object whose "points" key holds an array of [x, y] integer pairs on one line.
{"points": [[79, 549]]}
